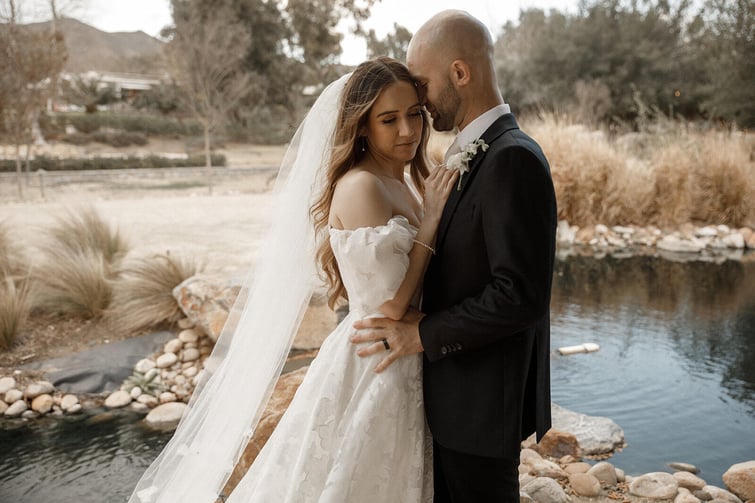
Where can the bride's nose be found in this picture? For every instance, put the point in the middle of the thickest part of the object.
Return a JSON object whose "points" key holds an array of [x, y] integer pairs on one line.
{"points": [[405, 128]]}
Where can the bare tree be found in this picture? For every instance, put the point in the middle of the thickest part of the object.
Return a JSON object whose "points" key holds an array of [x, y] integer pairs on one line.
{"points": [[28, 61], [206, 58]]}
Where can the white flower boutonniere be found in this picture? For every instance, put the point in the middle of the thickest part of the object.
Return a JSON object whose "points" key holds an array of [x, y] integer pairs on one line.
{"points": [[461, 160]]}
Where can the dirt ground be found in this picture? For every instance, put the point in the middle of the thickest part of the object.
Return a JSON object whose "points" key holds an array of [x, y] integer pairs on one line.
{"points": [[156, 212]]}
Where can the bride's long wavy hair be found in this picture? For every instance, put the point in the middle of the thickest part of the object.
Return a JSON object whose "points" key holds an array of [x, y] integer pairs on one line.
{"points": [[362, 90]]}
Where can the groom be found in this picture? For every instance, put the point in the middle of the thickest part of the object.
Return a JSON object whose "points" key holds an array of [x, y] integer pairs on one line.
{"points": [[484, 326]]}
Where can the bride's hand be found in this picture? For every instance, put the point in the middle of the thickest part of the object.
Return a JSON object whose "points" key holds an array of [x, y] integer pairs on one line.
{"points": [[438, 187]]}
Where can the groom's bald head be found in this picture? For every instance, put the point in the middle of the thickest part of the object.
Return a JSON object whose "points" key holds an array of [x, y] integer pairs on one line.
{"points": [[452, 35]]}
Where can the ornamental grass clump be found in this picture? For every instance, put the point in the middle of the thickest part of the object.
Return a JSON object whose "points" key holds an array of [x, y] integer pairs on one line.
{"points": [[14, 289], [82, 254], [143, 291]]}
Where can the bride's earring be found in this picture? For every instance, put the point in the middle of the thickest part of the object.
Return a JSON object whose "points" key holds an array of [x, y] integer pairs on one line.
{"points": [[364, 143]]}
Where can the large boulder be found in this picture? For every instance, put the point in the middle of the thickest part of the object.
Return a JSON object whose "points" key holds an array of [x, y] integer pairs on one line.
{"points": [[740, 479], [595, 434], [655, 485], [206, 303]]}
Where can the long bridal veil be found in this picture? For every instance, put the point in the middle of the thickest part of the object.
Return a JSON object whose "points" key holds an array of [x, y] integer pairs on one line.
{"points": [[241, 372]]}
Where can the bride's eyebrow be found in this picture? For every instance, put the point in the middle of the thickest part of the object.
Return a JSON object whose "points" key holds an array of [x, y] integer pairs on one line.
{"points": [[418, 104]]}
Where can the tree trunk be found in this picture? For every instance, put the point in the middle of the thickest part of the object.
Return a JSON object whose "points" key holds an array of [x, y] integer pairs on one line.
{"points": [[27, 164], [207, 156], [19, 174]]}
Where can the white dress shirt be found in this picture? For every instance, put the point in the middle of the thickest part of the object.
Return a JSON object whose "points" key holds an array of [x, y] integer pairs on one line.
{"points": [[475, 128]]}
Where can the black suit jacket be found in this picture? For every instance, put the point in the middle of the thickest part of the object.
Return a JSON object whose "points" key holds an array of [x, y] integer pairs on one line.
{"points": [[486, 335]]}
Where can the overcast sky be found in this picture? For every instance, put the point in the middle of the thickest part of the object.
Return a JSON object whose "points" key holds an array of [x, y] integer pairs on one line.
{"points": [[151, 16]]}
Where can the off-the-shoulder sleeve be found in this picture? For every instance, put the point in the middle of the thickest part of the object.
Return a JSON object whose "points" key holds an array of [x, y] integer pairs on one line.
{"points": [[373, 261]]}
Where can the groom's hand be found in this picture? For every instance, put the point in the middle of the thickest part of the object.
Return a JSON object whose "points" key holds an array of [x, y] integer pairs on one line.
{"points": [[402, 336]]}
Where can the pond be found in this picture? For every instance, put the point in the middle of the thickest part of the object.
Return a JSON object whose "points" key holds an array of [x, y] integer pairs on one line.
{"points": [[676, 370]]}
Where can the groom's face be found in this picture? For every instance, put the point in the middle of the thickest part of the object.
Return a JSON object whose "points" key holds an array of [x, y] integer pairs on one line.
{"points": [[437, 92]]}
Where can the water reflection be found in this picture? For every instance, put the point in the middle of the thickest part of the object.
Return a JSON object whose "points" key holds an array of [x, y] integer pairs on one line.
{"points": [[676, 368]]}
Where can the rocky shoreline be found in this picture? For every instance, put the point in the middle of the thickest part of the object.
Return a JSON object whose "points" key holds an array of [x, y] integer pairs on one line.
{"points": [[551, 471]]}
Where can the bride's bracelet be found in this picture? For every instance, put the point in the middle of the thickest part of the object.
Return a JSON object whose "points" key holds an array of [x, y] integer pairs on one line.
{"points": [[425, 245]]}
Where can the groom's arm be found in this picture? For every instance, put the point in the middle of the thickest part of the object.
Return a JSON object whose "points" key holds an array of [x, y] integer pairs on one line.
{"points": [[518, 220]]}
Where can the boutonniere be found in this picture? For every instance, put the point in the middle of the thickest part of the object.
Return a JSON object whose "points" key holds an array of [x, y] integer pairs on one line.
{"points": [[461, 160]]}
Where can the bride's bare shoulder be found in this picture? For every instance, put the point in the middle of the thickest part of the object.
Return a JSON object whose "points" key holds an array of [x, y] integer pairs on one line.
{"points": [[360, 199]]}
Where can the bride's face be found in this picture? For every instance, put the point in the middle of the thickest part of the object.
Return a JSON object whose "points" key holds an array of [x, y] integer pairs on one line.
{"points": [[394, 127]]}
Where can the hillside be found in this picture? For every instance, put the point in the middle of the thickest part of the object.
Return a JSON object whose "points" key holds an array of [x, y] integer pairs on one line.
{"points": [[93, 49]]}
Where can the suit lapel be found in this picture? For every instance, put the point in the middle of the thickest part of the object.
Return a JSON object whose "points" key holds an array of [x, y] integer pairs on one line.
{"points": [[499, 127]]}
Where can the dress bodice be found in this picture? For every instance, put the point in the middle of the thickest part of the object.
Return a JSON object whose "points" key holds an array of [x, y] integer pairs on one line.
{"points": [[373, 261]]}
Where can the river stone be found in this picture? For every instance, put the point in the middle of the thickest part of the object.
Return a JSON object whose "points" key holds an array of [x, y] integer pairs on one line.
{"points": [[167, 397], [546, 490], [190, 355], [605, 473], [689, 480], [190, 371], [118, 399], [584, 484], [557, 444], [188, 335], [13, 395], [683, 467], [545, 468], [172, 346], [38, 388], [74, 409], [165, 360], [527, 455], [144, 365], [655, 485], [30, 414], [147, 400], [135, 392], [684, 496], [6, 384], [734, 240], [595, 434], [721, 494], [16, 409], [42, 404], [166, 414], [740, 479], [580, 467], [525, 478], [3, 407], [68, 401]]}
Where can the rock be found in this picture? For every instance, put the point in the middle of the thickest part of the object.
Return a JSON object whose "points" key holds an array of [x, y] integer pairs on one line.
{"points": [[717, 493], [147, 400], [545, 468], [750, 242], [689, 480], [620, 475], [190, 372], [527, 455], [683, 467], [15, 409], [584, 484], [188, 335], [118, 399], [30, 414], [706, 232], [524, 497], [684, 496], [144, 365], [38, 388], [605, 473], [135, 392], [190, 355], [165, 360], [734, 240], [525, 478], [674, 244], [3, 407], [13, 395], [620, 229], [68, 401], [185, 323], [595, 434], [166, 414], [167, 397], [580, 467], [564, 233], [740, 479], [138, 407], [601, 229], [205, 303], [545, 490], [655, 485], [556, 444], [172, 346], [42, 404], [74, 409], [7, 384]]}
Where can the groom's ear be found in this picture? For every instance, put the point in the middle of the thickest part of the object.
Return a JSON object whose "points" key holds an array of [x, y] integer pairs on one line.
{"points": [[460, 73]]}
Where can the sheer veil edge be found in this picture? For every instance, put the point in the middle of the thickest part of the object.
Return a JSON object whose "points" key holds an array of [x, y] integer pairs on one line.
{"points": [[242, 370]]}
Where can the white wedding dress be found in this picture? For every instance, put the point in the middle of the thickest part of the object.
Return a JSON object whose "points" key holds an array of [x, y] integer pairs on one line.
{"points": [[350, 434]]}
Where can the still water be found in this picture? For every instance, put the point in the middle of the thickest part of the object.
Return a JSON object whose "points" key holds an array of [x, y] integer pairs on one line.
{"points": [[676, 370]]}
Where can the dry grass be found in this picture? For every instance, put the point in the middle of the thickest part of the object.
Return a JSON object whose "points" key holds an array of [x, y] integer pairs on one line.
{"points": [[666, 179], [14, 309], [143, 291], [82, 253]]}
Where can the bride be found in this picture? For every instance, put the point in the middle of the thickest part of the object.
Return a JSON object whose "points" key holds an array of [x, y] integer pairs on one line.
{"points": [[350, 434]]}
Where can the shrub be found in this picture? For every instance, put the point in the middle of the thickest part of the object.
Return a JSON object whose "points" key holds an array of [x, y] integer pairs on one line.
{"points": [[143, 291], [115, 139], [85, 231], [73, 282], [150, 125]]}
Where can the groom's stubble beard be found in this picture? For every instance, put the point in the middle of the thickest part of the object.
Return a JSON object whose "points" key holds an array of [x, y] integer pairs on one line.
{"points": [[446, 107]]}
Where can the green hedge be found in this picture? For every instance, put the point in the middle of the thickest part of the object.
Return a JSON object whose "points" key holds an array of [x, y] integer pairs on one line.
{"points": [[153, 161], [150, 125]]}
